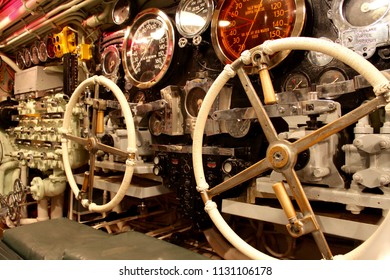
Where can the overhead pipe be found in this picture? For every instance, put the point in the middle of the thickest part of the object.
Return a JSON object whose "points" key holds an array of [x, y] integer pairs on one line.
{"points": [[18, 14], [48, 18]]}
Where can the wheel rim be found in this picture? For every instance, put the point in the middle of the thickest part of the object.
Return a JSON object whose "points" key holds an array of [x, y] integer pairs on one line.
{"points": [[92, 145], [281, 155]]}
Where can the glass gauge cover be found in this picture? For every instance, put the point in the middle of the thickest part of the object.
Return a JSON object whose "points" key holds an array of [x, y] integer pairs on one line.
{"points": [[110, 61], [297, 81], [364, 12], [241, 25], [42, 51], [121, 11], [331, 76], [318, 58], [34, 55], [27, 57], [20, 61], [193, 17], [194, 100], [148, 48]]}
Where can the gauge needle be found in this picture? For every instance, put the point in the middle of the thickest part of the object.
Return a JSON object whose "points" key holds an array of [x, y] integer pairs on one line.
{"points": [[250, 28], [144, 53]]}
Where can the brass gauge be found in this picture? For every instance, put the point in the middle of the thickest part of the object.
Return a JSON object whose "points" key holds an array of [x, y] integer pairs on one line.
{"points": [[148, 48], [110, 61], [42, 51], [121, 11], [193, 17], [241, 25], [35, 55], [20, 60], [27, 57], [297, 81]]}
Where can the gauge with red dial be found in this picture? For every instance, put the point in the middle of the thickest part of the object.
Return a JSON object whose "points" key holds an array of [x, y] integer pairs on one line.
{"points": [[239, 25]]}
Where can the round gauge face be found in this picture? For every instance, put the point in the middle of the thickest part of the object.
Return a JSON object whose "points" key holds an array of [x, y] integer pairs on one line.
{"points": [[364, 12], [156, 124], [193, 17], [148, 48], [194, 100], [50, 48], [27, 57], [331, 76], [121, 11], [34, 55], [42, 52], [110, 61], [20, 61], [296, 81], [241, 25]]}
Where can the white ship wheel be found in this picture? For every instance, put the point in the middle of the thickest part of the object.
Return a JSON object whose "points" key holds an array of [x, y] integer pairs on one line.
{"points": [[92, 144], [281, 155]]}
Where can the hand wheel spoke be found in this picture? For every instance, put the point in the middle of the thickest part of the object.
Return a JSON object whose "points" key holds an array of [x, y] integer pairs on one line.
{"points": [[309, 218], [111, 150], [245, 175], [320, 134], [261, 114], [77, 139]]}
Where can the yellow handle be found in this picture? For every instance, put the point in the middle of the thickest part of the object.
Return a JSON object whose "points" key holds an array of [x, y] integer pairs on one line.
{"points": [[268, 89], [284, 200]]}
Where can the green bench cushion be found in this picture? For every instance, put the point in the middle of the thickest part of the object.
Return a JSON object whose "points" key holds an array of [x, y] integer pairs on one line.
{"points": [[131, 245], [7, 253], [48, 239], [66, 239]]}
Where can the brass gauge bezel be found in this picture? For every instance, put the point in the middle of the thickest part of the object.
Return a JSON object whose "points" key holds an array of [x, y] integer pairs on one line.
{"points": [[116, 59], [134, 40], [296, 30]]}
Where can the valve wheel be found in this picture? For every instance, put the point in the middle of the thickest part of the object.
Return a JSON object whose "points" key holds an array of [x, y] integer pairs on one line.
{"points": [[93, 145], [281, 155]]}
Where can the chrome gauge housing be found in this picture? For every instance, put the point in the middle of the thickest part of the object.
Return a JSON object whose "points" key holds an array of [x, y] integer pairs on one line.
{"points": [[362, 24]]}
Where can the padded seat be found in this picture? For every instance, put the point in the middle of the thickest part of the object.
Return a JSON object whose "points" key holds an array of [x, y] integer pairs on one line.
{"points": [[7, 253], [66, 239]]}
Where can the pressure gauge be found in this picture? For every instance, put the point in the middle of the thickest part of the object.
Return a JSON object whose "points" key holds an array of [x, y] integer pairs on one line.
{"points": [[364, 12], [193, 17], [148, 48], [331, 76], [297, 81], [241, 25], [110, 61], [156, 123], [50, 48], [27, 57], [318, 58], [20, 60], [194, 100], [42, 51], [34, 55], [121, 11]]}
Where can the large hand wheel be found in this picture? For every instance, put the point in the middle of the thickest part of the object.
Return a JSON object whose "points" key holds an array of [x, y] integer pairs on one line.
{"points": [[92, 145], [281, 155]]}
